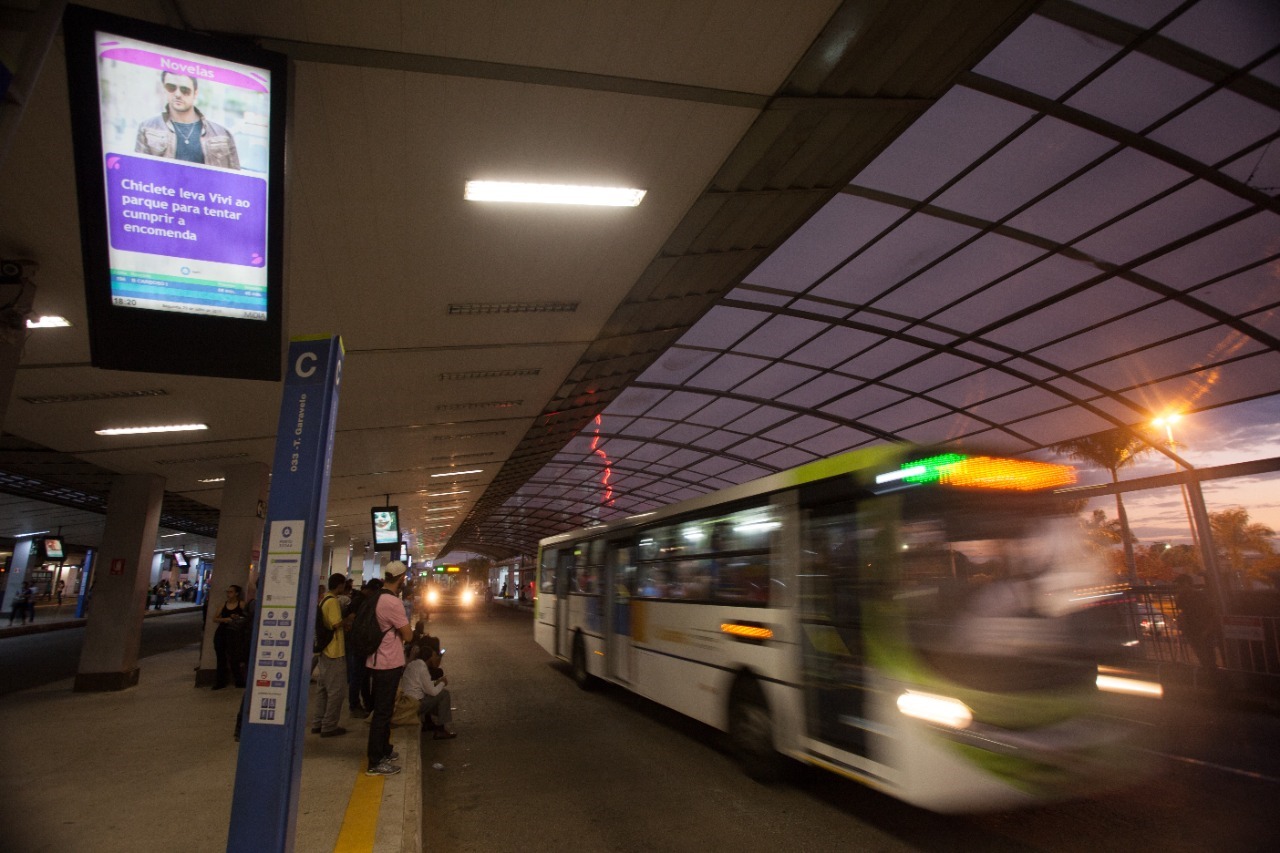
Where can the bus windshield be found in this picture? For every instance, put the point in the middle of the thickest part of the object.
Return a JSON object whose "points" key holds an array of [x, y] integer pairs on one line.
{"points": [[1002, 597]]}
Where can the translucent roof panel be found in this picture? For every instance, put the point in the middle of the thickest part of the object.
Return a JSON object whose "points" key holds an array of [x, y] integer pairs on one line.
{"points": [[1082, 232]]}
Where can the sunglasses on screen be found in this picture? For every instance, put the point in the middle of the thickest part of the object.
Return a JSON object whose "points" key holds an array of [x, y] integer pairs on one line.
{"points": [[173, 87]]}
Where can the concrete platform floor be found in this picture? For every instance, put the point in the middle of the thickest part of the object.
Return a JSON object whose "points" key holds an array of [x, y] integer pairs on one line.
{"points": [[152, 768]]}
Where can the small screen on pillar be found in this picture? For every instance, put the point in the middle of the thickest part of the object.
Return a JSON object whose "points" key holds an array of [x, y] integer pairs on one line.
{"points": [[53, 549]]}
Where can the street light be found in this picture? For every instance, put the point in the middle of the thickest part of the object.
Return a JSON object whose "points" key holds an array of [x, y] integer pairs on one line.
{"points": [[1167, 422]]}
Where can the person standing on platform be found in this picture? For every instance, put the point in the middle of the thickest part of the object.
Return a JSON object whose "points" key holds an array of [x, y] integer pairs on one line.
{"points": [[331, 668], [230, 637], [1199, 622], [387, 665], [58, 589], [359, 689], [24, 605]]}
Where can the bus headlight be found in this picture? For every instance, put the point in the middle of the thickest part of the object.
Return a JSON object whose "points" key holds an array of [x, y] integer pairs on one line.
{"points": [[433, 596], [468, 596], [941, 710]]}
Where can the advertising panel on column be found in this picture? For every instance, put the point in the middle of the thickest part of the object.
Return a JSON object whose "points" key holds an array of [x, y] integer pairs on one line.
{"points": [[179, 146]]}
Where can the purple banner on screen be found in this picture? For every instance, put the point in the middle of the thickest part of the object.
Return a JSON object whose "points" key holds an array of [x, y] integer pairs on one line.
{"points": [[164, 207], [185, 67]]}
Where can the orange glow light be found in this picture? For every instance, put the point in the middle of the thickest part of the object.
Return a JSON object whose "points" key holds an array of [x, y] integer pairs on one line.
{"points": [[750, 632], [989, 472]]}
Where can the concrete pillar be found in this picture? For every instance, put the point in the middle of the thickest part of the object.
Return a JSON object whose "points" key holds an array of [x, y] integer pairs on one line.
{"points": [[359, 548], [19, 563], [109, 656], [340, 554], [240, 523]]}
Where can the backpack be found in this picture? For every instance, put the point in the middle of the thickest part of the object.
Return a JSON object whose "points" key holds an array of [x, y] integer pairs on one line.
{"points": [[365, 636], [324, 634]]}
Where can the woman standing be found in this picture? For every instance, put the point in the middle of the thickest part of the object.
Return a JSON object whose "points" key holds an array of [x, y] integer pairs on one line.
{"points": [[230, 639]]}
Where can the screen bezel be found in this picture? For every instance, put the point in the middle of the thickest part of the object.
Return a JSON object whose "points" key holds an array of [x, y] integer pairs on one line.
{"points": [[154, 341], [393, 545]]}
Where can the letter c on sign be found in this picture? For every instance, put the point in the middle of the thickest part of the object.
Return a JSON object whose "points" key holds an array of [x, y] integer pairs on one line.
{"points": [[306, 371]]}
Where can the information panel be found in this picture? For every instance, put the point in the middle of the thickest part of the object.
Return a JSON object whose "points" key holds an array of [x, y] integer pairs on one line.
{"points": [[278, 601]]}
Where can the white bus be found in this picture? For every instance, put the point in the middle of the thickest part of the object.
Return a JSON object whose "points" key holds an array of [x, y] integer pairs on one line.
{"points": [[928, 623]]}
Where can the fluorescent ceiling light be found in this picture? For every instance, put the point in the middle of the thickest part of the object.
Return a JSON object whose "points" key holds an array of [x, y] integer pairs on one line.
{"points": [[552, 194], [443, 508], [458, 473], [445, 494], [212, 480], [139, 430], [47, 322], [171, 535], [35, 533]]}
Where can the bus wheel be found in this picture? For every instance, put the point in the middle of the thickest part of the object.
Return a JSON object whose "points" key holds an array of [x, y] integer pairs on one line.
{"points": [[751, 733], [583, 678]]}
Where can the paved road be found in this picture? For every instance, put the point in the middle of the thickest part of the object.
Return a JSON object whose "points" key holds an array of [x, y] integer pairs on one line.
{"points": [[542, 766]]}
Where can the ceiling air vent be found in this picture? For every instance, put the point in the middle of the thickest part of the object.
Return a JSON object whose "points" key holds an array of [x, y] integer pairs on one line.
{"points": [[467, 436], [490, 374], [191, 460], [94, 396], [496, 404], [512, 307]]}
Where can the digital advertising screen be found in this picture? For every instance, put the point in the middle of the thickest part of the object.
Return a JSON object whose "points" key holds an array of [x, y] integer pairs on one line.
{"points": [[180, 559], [53, 548], [179, 152], [386, 529]]}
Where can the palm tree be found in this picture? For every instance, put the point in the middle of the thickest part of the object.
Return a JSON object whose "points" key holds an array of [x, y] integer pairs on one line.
{"points": [[1234, 534], [1112, 450], [1101, 531]]}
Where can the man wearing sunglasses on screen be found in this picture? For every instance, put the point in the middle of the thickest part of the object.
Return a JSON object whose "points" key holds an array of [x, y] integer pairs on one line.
{"points": [[182, 132]]}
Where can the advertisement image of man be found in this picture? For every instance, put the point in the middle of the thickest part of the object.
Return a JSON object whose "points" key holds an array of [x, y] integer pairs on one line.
{"points": [[182, 132]]}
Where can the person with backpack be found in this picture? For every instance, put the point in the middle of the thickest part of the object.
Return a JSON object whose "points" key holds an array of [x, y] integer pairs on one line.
{"points": [[383, 627], [331, 668], [359, 688]]}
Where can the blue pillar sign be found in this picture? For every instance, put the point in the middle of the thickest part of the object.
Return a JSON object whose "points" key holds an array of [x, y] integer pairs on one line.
{"points": [[264, 806]]}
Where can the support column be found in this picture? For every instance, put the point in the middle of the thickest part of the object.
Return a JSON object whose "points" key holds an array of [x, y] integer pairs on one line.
{"points": [[359, 549], [240, 523], [109, 657], [340, 552]]}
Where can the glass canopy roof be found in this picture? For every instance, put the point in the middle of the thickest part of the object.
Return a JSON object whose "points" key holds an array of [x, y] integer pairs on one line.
{"points": [[1083, 232]]}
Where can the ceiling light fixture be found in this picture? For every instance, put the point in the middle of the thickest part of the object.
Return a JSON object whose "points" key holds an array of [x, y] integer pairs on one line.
{"points": [[459, 473], [213, 480], [526, 193], [148, 429], [47, 322]]}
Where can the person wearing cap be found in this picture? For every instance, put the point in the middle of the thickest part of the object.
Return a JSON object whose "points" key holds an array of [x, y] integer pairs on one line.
{"points": [[387, 665]]}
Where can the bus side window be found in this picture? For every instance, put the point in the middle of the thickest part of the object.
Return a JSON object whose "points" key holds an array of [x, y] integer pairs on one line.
{"points": [[743, 579], [550, 558], [652, 580]]}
